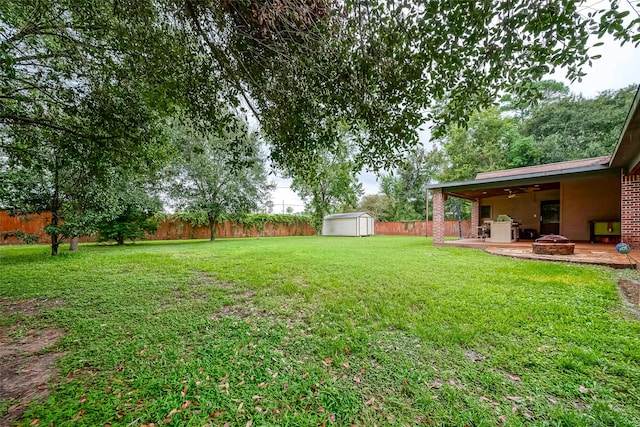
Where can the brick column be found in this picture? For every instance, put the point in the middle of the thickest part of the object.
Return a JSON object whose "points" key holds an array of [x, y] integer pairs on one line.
{"points": [[475, 218], [438, 216], [630, 210]]}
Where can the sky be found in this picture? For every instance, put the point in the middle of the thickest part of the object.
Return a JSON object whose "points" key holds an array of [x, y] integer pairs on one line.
{"points": [[618, 67]]}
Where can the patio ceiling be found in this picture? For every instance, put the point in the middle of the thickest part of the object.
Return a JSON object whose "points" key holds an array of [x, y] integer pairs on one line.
{"points": [[503, 190]]}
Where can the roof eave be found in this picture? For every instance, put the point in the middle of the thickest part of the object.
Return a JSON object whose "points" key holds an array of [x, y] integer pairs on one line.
{"points": [[619, 159], [538, 177]]}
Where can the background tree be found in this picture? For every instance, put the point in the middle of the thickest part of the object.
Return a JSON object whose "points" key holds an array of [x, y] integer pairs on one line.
{"points": [[217, 175], [71, 175], [78, 106], [559, 128], [574, 127], [482, 146], [406, 187], [330, 184], [379, 206], [133, 221]]}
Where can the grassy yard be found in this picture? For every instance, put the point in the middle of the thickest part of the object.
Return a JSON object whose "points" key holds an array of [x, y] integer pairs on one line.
{"points": [[312, 331]]}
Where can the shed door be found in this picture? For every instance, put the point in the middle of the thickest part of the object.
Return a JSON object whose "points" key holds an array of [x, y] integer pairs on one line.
{"points": [[550, 217], [364, 226]]}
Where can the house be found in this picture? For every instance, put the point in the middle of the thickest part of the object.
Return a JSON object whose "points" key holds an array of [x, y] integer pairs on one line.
{"points": [[596, 199], [348, 224]]}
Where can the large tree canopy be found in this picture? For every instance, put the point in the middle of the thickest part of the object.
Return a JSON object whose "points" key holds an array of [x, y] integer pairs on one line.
{"points": [[299, 65], [379, 65]]}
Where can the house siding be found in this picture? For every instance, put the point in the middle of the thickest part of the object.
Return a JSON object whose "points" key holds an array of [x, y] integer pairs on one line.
{"points": [[586, 200], [630, 210]]}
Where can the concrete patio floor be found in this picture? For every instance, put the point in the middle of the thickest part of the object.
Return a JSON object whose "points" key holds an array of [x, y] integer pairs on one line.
{"points": [[585, 253]]}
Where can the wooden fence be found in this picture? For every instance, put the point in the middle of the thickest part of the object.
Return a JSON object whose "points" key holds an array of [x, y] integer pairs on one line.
{"points": [[420, 228], [167, 230], [180, 230]]}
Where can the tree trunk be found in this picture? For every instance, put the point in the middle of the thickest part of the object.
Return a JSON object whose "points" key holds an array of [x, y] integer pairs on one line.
{"points": [[73, 243], [55, 243], [212, 228], [55, 206], [120, 239]]}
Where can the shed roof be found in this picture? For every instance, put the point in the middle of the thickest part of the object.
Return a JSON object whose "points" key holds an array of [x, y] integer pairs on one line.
{"points": [[346, 215]]}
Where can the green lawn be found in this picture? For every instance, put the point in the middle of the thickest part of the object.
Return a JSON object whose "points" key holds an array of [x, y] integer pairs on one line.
{"points": [[306, 331]]}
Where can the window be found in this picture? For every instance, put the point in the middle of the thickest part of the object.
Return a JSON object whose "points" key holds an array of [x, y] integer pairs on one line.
{"points": [[485, 211]]}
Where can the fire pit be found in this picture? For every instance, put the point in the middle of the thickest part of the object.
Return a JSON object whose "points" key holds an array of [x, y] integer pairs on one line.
{"points": [[553, 244]]}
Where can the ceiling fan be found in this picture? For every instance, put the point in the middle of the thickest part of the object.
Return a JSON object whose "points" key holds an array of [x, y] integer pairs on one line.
{"points": [[531, 189], [511, 194]]}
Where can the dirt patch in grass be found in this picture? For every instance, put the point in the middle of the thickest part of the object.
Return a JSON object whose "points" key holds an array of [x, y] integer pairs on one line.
{"points": [[631, 290], [27, 363], [29, 307]]}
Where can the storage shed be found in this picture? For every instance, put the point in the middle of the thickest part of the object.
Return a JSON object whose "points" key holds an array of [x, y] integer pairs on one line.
{"points": [[348, 224]]}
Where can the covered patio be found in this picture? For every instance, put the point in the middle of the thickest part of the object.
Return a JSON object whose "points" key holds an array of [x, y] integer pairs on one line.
{"points": [[575, 199]]}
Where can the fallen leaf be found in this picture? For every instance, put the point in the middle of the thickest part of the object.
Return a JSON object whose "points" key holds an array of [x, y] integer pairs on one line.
{"points": [[240, 406], [435, 385], [357, 380], [553, 400], [583, 389], [80, 414], [370, 401], [35, 422], [345, 364], [514, 398], [328, 361], [184, 391], [513, 378], [227, 424], [347, 351], [331, 418], [216, 414], [249, 423], [186, 404], [173, 412]]}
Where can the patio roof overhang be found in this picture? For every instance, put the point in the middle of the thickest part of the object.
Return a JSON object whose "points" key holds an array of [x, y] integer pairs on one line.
{"points": [[499, 186], [627, 152]]}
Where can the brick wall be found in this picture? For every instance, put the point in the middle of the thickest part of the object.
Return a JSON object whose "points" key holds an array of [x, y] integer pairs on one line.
{"points": [[630, 210], [475, 217], [438, 216]]}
